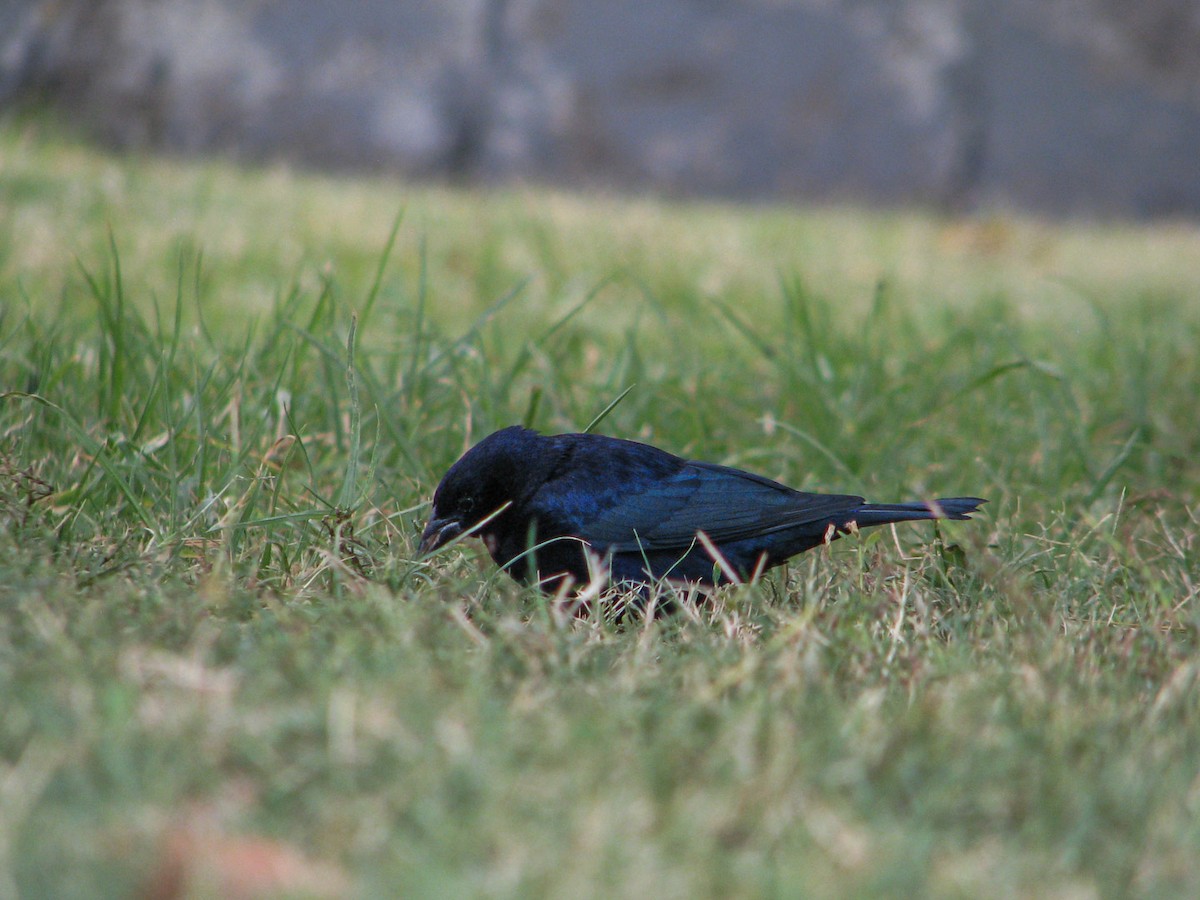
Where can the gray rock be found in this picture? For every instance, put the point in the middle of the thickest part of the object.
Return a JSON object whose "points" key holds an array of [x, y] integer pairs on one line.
{"points": [[747, 99], [1075, 106]]}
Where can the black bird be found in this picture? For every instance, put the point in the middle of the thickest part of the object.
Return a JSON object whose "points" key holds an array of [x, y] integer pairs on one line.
{"points": [[643, 514]]}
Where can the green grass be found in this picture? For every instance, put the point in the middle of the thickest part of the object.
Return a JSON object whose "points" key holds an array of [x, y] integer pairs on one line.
{"points": [[228, 395]]}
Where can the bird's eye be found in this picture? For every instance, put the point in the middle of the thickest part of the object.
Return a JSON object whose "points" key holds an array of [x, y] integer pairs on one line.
{"points": [[467, 505]]}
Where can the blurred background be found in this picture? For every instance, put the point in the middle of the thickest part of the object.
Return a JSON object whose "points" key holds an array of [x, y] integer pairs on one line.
{"points": [[1075, 107]]}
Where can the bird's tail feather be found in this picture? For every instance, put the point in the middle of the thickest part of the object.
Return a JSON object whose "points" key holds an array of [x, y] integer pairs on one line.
{"points": [[946, 508]]}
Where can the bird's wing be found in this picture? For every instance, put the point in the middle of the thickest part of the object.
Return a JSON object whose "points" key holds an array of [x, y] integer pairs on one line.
{"points": [[726, 504]]}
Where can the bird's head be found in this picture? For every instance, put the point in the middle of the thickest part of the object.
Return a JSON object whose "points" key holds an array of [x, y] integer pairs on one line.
{"points": [[489, 476]]}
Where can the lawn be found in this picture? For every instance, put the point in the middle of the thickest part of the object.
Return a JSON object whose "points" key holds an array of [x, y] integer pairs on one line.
{"points": [[227, 396]]}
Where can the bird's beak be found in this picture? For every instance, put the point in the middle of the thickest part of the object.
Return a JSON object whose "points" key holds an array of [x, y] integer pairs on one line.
{"points": [[438, 533]]}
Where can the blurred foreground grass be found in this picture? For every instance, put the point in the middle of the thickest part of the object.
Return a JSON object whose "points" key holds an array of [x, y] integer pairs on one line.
{"points": [[228, 393]]}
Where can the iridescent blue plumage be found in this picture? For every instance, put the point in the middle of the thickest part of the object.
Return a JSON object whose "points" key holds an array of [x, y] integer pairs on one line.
{"points": [[638, 511]]}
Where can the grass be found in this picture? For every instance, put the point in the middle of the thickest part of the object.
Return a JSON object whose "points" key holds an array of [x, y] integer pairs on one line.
{"points": [[228, 394]]}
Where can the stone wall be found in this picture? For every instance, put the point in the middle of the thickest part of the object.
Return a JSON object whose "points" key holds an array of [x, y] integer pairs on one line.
{"points": [[1061, 106]]}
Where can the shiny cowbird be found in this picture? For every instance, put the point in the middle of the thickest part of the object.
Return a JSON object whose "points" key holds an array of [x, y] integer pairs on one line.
{"points": [[544, 504]]}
